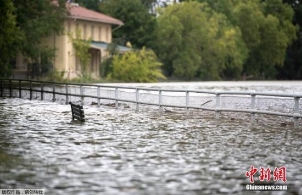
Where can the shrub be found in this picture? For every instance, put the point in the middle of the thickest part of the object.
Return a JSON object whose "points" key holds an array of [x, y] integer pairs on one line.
{"points": [[136, 66]]}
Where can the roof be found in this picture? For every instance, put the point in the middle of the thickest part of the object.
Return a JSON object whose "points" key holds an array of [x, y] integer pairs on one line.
{"points": [[103, 45], [78, 12]]}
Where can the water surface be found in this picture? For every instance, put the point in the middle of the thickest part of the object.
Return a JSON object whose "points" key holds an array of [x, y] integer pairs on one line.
{"points": [[124, 152]]}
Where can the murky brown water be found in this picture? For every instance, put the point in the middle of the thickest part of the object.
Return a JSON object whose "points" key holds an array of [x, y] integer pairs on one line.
{"points": [[123, 152]]}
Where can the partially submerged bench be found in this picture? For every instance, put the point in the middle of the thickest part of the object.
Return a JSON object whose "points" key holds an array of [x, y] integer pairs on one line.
{"points": [[77, 112]]}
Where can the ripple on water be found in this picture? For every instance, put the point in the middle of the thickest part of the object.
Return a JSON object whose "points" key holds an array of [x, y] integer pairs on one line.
{"points": [[123, 152]]}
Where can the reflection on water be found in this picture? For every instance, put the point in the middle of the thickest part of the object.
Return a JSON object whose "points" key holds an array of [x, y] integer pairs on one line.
{"points": [[123, 152]]}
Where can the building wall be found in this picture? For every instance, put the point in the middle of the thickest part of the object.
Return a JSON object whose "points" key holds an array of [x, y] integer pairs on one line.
{"points": [[94, 30], [65, 59], [59, 44]]}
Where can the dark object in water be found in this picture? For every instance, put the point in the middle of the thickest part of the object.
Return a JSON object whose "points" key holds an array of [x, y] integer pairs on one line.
{"points": [[77, 112], [111, 104], [206, 102]]}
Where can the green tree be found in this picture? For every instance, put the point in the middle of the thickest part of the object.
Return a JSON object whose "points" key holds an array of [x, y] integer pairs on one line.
{"points": [[148, 3], [106, 65], [194, 40], [9, 36], [38, 19], [276, 33], [90, 4], [266, 28], [139, 23], [292, 68], [136, 66]]}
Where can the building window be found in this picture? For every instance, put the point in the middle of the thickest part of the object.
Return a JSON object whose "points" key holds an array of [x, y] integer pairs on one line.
{"points": [[107, 35], [92, 32], [78, 65], [85, 32], [68, 27], [100, 33]]}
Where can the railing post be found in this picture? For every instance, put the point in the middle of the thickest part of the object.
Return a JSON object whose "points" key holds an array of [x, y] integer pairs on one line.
{"points": [[10, 88], [20, 92], [187, 100], [296, 112], [116, 96], [137, 100], [53, 92], [82, 93], [217, 105], [160, 100], [42, 91], [30, 90], [253, 104], [99, 94], [66, 90]]}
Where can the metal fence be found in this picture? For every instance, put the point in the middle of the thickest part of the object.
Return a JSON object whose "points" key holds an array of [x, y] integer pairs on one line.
{"points": [[284, 104]]}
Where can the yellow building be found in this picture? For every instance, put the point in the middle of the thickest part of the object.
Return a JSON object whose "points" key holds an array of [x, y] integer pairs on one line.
{"points": [[94, 25]]}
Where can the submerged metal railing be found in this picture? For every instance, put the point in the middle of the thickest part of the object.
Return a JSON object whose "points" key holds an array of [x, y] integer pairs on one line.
{"points": [[224, 101]]}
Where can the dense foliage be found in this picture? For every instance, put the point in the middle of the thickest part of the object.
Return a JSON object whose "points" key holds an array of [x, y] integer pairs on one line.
{"points": [[38, 19], [89, 4], [9, 35], [136, 66], [232, 38], [267, 31], [138, 22], [24, 24], [214, 39], [292, 68], [193, 40], [205, 39]]}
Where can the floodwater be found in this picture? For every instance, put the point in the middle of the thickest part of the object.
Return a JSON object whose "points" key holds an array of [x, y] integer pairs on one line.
{"points": [[258, 86], [124, 152]]}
